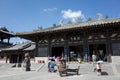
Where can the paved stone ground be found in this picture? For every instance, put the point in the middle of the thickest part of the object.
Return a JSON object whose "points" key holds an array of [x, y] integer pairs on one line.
{"points": [[118, 67], [39, 72]]}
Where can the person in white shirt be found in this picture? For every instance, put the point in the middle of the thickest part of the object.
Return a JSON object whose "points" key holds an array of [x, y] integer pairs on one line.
{"points": [[98, 68], [93, 58]]}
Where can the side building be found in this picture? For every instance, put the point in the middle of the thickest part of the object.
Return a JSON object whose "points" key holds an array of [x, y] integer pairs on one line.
{"points": [[16, 53], [5, 36], [99, 37]]}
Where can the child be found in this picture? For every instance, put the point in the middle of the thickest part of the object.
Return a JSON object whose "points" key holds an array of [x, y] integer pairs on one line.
{"points": [[98, 68]]}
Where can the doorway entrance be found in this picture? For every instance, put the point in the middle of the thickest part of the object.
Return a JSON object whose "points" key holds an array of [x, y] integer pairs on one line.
{"points": [[75, 51], [99, 50], [14, 58], [57, 51]]}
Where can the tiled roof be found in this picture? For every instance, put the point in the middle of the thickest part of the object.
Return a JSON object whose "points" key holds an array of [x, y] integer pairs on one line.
{"points": [[70, 26], [17, 47], [32, 47], [6, 34]]}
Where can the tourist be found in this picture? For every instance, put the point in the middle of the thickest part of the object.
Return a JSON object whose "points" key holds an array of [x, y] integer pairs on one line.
{"points": [[93, 58], [79, 58], [98, 69], [27, 62], [51, 66]]}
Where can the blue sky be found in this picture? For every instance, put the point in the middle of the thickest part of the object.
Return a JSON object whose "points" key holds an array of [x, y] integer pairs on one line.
{"points": [[28, 15]]}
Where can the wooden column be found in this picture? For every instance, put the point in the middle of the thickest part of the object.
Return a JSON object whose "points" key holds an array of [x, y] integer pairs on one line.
{"points": [[108, 47], [2, 39], [8, 40], [17, 59], [85, 48], [49, 48], [66, 48], [6, 58], [36, 47]]}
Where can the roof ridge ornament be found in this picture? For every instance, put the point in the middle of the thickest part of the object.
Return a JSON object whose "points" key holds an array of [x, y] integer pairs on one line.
{"points": [[100, 16]]}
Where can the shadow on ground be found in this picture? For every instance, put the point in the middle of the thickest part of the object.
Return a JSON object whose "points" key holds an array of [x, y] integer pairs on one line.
{"points": [[69, 74], [104, 73]]}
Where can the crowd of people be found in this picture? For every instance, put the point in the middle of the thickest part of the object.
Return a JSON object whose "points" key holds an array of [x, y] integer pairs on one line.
{"points": [[54, 61]]}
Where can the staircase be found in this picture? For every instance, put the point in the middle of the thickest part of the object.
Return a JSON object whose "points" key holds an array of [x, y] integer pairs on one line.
{"points": [[116, 59]]}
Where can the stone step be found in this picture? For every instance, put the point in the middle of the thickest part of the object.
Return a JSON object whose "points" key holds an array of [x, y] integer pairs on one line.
{"points": [[116, 59]]}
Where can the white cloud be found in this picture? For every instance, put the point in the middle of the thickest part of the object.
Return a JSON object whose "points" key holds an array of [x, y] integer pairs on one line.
{"points": [[73, 15], [50, 9]]}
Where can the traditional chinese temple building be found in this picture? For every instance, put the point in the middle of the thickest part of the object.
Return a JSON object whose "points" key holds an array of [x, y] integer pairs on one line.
{"points": [[5, 36], [16, 53], [101, 37]]}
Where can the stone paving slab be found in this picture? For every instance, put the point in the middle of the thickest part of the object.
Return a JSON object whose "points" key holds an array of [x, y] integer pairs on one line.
{"points": [[43, 74], [118, 68], [54, 76]]}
